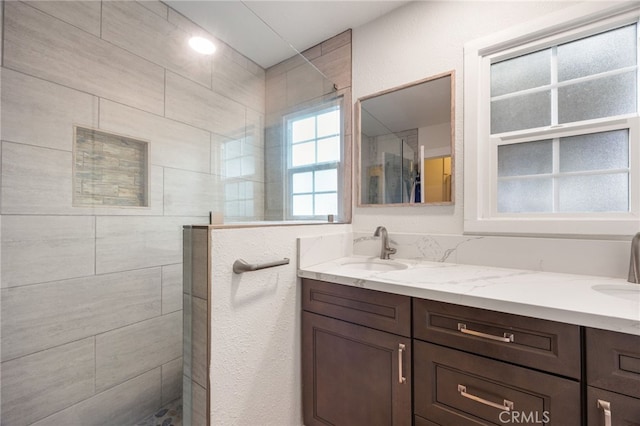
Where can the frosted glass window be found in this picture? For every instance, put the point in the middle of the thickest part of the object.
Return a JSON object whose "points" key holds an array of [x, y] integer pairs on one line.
{"points": [[329, 149], [594, 193], [302, 182], [303, 153], [303, 130], [329, 123], [603, 97], [596, 151], [302, 205], [326, 204], [521, 112], [523, 72], [530, 158], [326, 180], [525, 195], [599, 53]]}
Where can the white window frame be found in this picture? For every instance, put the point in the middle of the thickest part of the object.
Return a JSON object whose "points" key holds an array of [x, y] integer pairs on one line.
{"points": [[480, 152], [338, 165]]}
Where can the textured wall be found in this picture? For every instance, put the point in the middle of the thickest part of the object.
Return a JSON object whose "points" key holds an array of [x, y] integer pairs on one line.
{"points": [[92, 296], [255, 327]]}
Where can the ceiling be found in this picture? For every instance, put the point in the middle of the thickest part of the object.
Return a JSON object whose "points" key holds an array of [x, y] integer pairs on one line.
{"points": [[412, 107], [266, 31]]}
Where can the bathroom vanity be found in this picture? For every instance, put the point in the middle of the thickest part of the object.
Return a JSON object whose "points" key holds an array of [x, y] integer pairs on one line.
{"points": [[407, 342]]}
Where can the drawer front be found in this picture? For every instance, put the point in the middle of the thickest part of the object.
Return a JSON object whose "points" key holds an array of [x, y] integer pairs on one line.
{"points": [[376, 309], [544, 345], [622, 410], [613, 361], [457, 388]]}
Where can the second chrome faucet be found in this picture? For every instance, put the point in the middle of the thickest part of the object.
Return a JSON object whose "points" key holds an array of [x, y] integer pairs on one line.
{"points": [[385, 250]]}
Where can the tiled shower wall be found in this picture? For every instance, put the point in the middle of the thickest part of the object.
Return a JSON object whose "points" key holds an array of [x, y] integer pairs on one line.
{"points": [[92, 296]]}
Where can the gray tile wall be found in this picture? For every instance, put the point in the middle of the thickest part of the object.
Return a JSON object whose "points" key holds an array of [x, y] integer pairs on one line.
{"points": [[91, 297], [293, 85]]}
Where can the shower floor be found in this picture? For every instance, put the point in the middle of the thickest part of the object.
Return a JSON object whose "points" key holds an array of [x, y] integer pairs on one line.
{"points": [[169, 415]]}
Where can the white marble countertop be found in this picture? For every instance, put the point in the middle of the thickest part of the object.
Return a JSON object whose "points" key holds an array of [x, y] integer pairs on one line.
{"points": [[606, 303]]}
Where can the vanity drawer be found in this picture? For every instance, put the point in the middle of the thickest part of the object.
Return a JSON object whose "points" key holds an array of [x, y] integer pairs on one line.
{"points": [[452, 387], [541, 344], [613, 361], [376, 309], [623, 410]]}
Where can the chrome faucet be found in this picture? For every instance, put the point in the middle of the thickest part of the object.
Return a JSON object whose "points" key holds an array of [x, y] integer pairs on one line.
{"points": [[634, 263], [385, 250]]}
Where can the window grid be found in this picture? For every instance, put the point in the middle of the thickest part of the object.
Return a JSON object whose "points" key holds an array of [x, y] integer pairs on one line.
{"points": [[315, 165], [579, 115], [553, 88]]}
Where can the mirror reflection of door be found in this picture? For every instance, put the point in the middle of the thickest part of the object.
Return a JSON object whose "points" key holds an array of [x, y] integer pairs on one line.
{"points": [[406, 143], [437, 179]]}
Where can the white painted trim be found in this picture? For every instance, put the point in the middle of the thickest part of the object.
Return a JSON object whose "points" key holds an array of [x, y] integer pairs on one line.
{"points": [[480, 173]]}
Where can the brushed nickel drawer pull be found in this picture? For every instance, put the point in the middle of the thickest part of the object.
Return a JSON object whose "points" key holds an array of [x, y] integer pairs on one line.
{"points": [[506, 404], [506, 337], [401, 378], [606, 408]]}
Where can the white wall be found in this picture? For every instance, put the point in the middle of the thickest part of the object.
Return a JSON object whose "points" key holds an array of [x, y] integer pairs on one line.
{"points": [[255, 320], [427, 38], [436, 140]]}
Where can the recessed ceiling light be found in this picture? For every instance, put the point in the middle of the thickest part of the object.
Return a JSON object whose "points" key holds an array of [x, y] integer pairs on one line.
{"points": [[202, 45]]}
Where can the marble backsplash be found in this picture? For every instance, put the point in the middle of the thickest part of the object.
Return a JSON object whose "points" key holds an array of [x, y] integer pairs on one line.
{"points": [[603, 258]]}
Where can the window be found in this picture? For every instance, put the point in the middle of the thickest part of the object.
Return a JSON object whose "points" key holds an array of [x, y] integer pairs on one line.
{"points": [[552, 134], [239, 170], [314, 146]]}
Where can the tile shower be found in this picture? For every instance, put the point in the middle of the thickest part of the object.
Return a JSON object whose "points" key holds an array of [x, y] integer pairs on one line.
{"points": [[91, 290], [92, 295]]}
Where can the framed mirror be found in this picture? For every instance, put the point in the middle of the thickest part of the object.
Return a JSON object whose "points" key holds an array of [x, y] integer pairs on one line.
{"points": [[404, 140]]}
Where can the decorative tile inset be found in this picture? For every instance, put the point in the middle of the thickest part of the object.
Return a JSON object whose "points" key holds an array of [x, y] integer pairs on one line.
{"points": [[109, 170]]}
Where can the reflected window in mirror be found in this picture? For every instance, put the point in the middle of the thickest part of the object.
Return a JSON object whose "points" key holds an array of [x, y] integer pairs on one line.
{"points": [[314, 150], [406, 144]]}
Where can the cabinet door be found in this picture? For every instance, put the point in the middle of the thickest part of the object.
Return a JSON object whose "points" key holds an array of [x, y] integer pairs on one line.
{"points": [[606, 408], [353, 375]]}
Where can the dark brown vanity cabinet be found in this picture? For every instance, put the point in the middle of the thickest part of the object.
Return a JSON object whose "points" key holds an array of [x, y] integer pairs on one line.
{"points": [[479, 367], [370, 358], [613, 378], [356, 356]]}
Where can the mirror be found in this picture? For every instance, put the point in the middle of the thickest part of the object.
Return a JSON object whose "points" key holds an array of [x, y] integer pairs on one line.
{"points": [[406, 137]]}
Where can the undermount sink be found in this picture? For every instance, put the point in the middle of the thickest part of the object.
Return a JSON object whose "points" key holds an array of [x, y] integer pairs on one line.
{"points": [[621, 291], [373, 265]]}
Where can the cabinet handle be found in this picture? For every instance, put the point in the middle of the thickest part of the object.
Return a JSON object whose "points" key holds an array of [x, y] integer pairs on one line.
{"points": [[506, 337], [606, 408], [401, 378], [506, 404]]}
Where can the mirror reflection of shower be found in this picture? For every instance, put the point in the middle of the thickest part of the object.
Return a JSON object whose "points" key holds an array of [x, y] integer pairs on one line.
{"points": [[406, 144]]}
